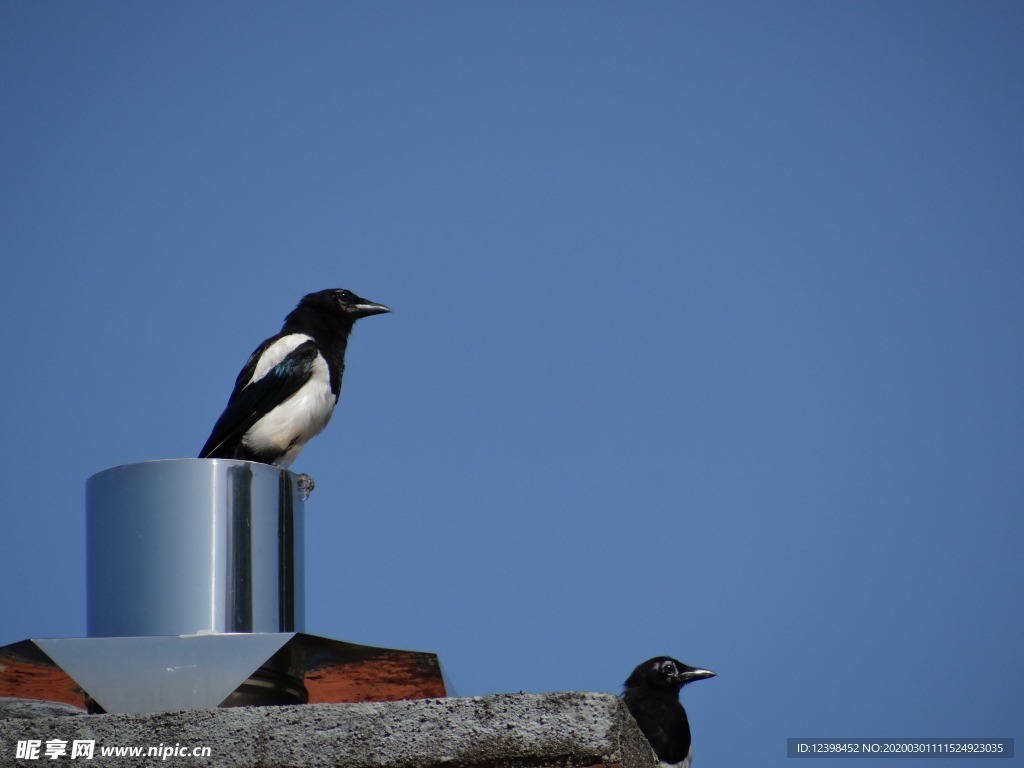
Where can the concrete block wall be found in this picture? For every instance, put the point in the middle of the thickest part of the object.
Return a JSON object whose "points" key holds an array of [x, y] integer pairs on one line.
{"points": [[576, 730]]}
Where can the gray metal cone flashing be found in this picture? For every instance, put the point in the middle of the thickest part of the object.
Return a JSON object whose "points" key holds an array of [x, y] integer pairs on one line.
{"points": [[153, 674]]}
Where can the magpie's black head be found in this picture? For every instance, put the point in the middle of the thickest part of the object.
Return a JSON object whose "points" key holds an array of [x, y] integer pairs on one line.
{"points": [[341, 303], [665, 673]]}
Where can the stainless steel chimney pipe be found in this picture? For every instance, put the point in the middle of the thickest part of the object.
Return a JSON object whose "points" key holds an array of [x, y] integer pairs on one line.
{"points": [[195, 588], [194, 546]]}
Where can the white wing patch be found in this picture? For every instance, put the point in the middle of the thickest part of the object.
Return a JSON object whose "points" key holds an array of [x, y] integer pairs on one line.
{"points": [[277, 352], [293, 423]]}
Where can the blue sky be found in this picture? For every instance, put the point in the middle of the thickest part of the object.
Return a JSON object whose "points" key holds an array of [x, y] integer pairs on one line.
{"points": [[708, 330]]}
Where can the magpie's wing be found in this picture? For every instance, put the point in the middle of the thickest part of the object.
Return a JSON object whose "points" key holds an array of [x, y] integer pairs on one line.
{"points": [[252, 400], [664, 723]]}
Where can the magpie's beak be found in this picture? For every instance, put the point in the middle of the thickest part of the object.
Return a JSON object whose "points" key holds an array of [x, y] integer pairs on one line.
{"points": [[692, 673], [367, 308]]}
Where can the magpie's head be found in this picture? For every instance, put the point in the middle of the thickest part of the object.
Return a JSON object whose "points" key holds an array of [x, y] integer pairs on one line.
{"points": [[329, 314], [665, 673], [341, 303]]}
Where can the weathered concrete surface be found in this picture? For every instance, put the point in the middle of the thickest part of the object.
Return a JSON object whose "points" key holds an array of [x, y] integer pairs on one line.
{"points": [[33, 708], [513, 730]]}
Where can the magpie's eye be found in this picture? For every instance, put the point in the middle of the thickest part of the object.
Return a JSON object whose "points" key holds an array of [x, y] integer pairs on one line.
{"points": [[668, 668]]}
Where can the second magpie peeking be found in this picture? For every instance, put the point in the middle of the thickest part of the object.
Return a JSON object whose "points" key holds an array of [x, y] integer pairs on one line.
{"points": [[286, 393], [652, 696]]}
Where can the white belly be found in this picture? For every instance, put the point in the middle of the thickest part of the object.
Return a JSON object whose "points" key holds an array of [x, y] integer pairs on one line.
{"points": [[684, 763], [288, 427]]}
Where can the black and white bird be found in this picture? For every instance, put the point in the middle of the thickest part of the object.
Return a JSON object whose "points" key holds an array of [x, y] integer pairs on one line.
{"points": [[652, 696], [286, 393]]}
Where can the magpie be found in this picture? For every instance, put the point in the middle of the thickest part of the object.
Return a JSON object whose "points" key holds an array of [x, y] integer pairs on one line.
{"points": [[286, 393], [652, 696]]}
